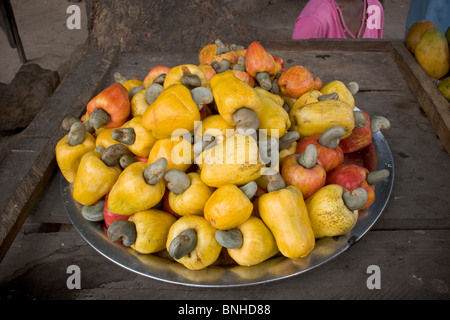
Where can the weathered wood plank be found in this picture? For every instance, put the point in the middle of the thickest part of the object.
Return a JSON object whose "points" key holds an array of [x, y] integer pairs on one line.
{"points": [[362, 45], [413, 265], [433, 102]]}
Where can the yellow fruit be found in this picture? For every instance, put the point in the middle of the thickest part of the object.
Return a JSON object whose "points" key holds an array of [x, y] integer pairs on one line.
{"points": [[444, 88], [432, 53], [152, 228], [328, 214], [415, 32]]}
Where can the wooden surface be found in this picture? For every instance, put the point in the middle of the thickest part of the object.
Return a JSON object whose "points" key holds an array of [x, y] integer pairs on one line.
{"points": [[30, 162], [409, 243]]}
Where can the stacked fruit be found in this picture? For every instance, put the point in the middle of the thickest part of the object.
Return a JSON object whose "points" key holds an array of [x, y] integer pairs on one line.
{"points": [[235, 157], [430, 47]]}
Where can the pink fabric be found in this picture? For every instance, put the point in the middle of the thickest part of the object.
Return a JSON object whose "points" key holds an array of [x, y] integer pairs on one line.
{"points": [[321, 19]]}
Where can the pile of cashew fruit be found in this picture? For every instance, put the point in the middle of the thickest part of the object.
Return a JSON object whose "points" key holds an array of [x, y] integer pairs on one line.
{"points": [[234, 160]]}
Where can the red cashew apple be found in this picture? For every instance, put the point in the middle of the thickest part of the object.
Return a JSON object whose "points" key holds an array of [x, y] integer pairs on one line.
{"points": [[352, 176], [110, 108], [110, 217], [304, 171], [361, 136], [328, 151]]}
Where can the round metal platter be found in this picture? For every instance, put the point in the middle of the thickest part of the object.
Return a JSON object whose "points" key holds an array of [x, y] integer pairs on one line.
{"points": [[377, 156]]}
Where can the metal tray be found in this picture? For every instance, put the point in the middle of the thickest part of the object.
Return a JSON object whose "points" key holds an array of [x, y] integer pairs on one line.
{"points": [[276, 268]]}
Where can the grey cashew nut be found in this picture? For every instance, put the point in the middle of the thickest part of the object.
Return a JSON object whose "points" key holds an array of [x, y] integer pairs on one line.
{"points": [[155, 172], [308, 158], [249, 189], [183, 244], [67, 123], [264, 81], [379, 122], [135, 90], [221, 66], [191, 81], [267, 148], [93, 212], [100, 149], [122, 230], [111, 156], [331, 137], [355, 199], [160, 79], [177, 181], [119, 78], [375, 177], [245, 119], [125, 160], [287, 139], [124, 135], [360, 119], [202, 96], [221, 48], [240, 65], [230, 239], [76, 133], [353, 87], [99, 118]]}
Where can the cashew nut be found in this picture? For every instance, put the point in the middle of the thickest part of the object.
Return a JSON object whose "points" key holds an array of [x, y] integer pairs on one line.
{"points": [[93, 212], [152, 92], [287, 139], [112, 154], [99, 118], [379, 122], [68, 122], [249, 189], [230, 239], [240, 65], [353, 87], [76, 133], [221, 48], [124, 135], [155, 172], [308, 158], [264, 81], [221, 66], [191, 81], [202, 96], [177, 181], [245, 119], [331, 137], [183, 244], [122, 230], [134, 91], [125, 160], [355, 199], [360, 119], [374, 177]]}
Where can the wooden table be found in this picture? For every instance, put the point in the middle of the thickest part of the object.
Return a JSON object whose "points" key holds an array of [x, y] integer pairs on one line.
{"points": [[410, 243]]}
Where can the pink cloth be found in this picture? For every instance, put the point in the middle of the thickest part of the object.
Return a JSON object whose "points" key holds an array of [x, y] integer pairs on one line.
{"points": [[322, 19]]}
